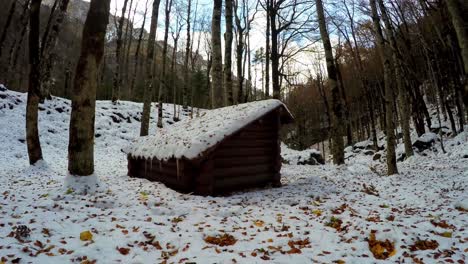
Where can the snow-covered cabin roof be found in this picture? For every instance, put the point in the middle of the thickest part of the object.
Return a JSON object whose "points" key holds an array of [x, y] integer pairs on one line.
{"points": [[191, 137]]}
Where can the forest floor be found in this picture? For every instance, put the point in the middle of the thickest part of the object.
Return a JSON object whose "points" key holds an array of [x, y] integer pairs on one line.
{"points": [[321, 214]]}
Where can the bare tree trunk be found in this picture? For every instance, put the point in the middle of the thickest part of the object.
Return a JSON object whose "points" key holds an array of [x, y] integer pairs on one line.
{"points": [[389, 124], [248, 93], [81, 145], [193, 58], [6, 69], [117, 82], [349, 133], [267, 52], [48, 54], [217, 67], [438, 100], [24, 20], [127, 44], [244, 61], [274, 54], [49, 25], [228, 53], [209, 64], [67, 84], [363, 79], [458, 10], [240, 76], [402, 97], [325, 101], [187, 56], [145, 117], [175, 37], [174, 77], [163, 77], [137, 66], [337, 105], [239, 53], [32, 131], [11, 12]]}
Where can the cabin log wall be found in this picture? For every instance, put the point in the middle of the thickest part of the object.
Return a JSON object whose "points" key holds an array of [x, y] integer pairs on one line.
{"points": [[249, 158]]}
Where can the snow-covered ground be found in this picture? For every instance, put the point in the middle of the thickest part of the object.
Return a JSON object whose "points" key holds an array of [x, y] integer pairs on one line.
{"points": [[322, 214], [309, 156]]}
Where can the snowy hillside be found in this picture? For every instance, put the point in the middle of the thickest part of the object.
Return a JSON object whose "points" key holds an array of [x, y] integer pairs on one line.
{"points": [[322, 214]]}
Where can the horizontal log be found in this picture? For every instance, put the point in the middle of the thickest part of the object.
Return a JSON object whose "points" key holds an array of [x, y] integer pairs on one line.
{"points": [[242, 161], [244, 152], [239, 182], [239, 143], [242, 171], [169, 172], [166, 178], [255, 136], [243, 140]]}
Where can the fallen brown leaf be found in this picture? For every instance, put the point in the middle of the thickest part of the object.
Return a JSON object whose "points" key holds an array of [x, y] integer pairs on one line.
{"points": [[221, 240], [123, 251], [381, 249], [424, 245]]}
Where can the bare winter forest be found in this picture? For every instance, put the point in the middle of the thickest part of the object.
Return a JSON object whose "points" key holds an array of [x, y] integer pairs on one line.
{"points": [[233, 131]]}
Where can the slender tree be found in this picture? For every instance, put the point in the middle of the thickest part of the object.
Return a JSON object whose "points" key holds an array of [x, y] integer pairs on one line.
{"points": [[402, 97], [288, 21], [8, 70], [217, 95], [15, 49], [49, 54], [81, 145], [117, 82], [389, 120], [267, 50], [49, 24], [228, 53], [188, 46], [458, 10], [145, 118], [163, 78], [127, 43], [194, 55], [274, 56], [11, 12], [248, 24], [241, 25], [137, 51], [362, 77], [175, 38], [32, 131], [337, 105]]}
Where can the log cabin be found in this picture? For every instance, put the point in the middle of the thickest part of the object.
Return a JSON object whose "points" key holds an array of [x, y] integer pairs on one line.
{"points": [[223, 150]]}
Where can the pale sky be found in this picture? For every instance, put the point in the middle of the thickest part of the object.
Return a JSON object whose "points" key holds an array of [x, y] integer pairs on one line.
{"points": [[257, 34]]}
